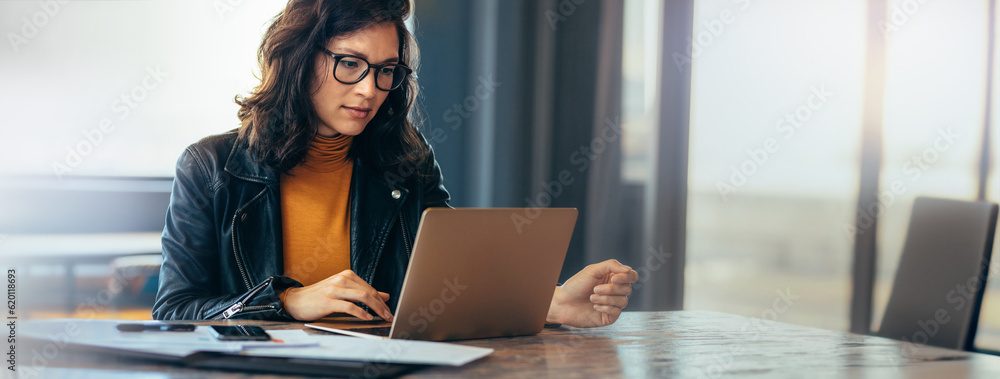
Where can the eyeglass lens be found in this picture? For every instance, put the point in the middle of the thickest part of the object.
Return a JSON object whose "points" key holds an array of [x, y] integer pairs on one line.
{"points": [[352, 70]]}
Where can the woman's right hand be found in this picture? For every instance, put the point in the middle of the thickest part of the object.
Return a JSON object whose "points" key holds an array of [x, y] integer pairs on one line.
{"points": [[336, 294]]}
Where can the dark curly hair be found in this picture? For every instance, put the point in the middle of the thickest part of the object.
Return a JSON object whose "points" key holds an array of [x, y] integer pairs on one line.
{"points": [[278, 120]]}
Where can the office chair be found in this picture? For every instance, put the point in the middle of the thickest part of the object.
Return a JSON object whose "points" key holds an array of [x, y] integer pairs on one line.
{"points": [[942, 273]]}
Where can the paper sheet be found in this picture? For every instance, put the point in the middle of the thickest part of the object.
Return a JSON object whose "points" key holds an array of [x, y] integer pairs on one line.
{"points": [[285, 343], [377, 350], [104, 333]]}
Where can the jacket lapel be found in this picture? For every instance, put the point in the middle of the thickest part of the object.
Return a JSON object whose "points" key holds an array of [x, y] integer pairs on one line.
{"points": [[373, 210], [256, 224]]}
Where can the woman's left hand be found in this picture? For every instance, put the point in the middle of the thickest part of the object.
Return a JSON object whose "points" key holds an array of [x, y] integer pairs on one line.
{"points": [[593, 297]]}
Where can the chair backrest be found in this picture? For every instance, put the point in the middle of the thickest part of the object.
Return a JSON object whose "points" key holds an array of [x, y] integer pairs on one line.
{"points": [[942, 272]]}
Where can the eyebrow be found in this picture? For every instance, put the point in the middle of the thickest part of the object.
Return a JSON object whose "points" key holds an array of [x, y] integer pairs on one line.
{"points": [[363, 55]]}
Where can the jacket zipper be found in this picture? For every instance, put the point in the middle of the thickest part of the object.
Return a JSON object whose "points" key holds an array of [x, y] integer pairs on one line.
{"points": [[371, 275], [236, 254], [406, 239], [406, 243], [238, 307]]}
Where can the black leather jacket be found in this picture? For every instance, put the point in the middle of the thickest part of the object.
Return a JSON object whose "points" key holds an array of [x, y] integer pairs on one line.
{"points": [[222, 249]]}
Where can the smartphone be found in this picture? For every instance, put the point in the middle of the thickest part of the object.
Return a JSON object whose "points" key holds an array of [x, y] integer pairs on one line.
{"points": [[239, 333]]}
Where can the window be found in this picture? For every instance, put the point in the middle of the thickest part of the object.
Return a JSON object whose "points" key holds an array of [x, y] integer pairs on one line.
{"points": [[774, 155], [162, 74], [933, 120], [988, 335], [639, 82]]}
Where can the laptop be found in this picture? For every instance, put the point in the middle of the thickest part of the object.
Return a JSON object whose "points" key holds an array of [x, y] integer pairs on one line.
{"points": [[478, 273]]}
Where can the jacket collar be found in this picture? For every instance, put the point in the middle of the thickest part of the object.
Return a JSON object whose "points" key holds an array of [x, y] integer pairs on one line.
{"points": [[243, 166]]}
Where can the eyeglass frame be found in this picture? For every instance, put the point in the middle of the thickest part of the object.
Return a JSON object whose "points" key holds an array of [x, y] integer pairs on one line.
{"points": [[336, 60]]}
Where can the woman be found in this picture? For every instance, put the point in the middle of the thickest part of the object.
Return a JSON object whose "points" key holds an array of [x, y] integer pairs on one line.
{"points": [[310, 207]]}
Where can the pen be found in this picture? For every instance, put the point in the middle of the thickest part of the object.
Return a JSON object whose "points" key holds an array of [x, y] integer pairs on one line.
{"points": [[156, 327]]}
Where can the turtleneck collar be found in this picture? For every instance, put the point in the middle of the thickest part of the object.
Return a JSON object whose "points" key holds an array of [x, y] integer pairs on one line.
{"points": [[328, 154]]}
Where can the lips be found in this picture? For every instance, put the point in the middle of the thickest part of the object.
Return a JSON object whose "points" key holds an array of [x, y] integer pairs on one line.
{"points": [[358, 112]]}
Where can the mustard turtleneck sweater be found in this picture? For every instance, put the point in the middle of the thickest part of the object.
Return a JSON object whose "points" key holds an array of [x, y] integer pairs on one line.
{"points": [[315, 211]]}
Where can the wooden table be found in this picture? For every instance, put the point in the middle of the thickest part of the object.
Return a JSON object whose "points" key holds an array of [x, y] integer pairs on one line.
{"points": [[695, 344]]}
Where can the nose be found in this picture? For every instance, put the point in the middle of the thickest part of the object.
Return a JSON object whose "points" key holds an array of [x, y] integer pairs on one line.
{"points": [[366, 87]]}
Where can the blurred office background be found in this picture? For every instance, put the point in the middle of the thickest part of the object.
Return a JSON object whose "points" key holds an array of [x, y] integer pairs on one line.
{"points": [[751, 157]]}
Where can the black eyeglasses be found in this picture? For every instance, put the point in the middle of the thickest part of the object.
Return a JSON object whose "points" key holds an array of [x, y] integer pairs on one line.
{"points": [[350, 69]]}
